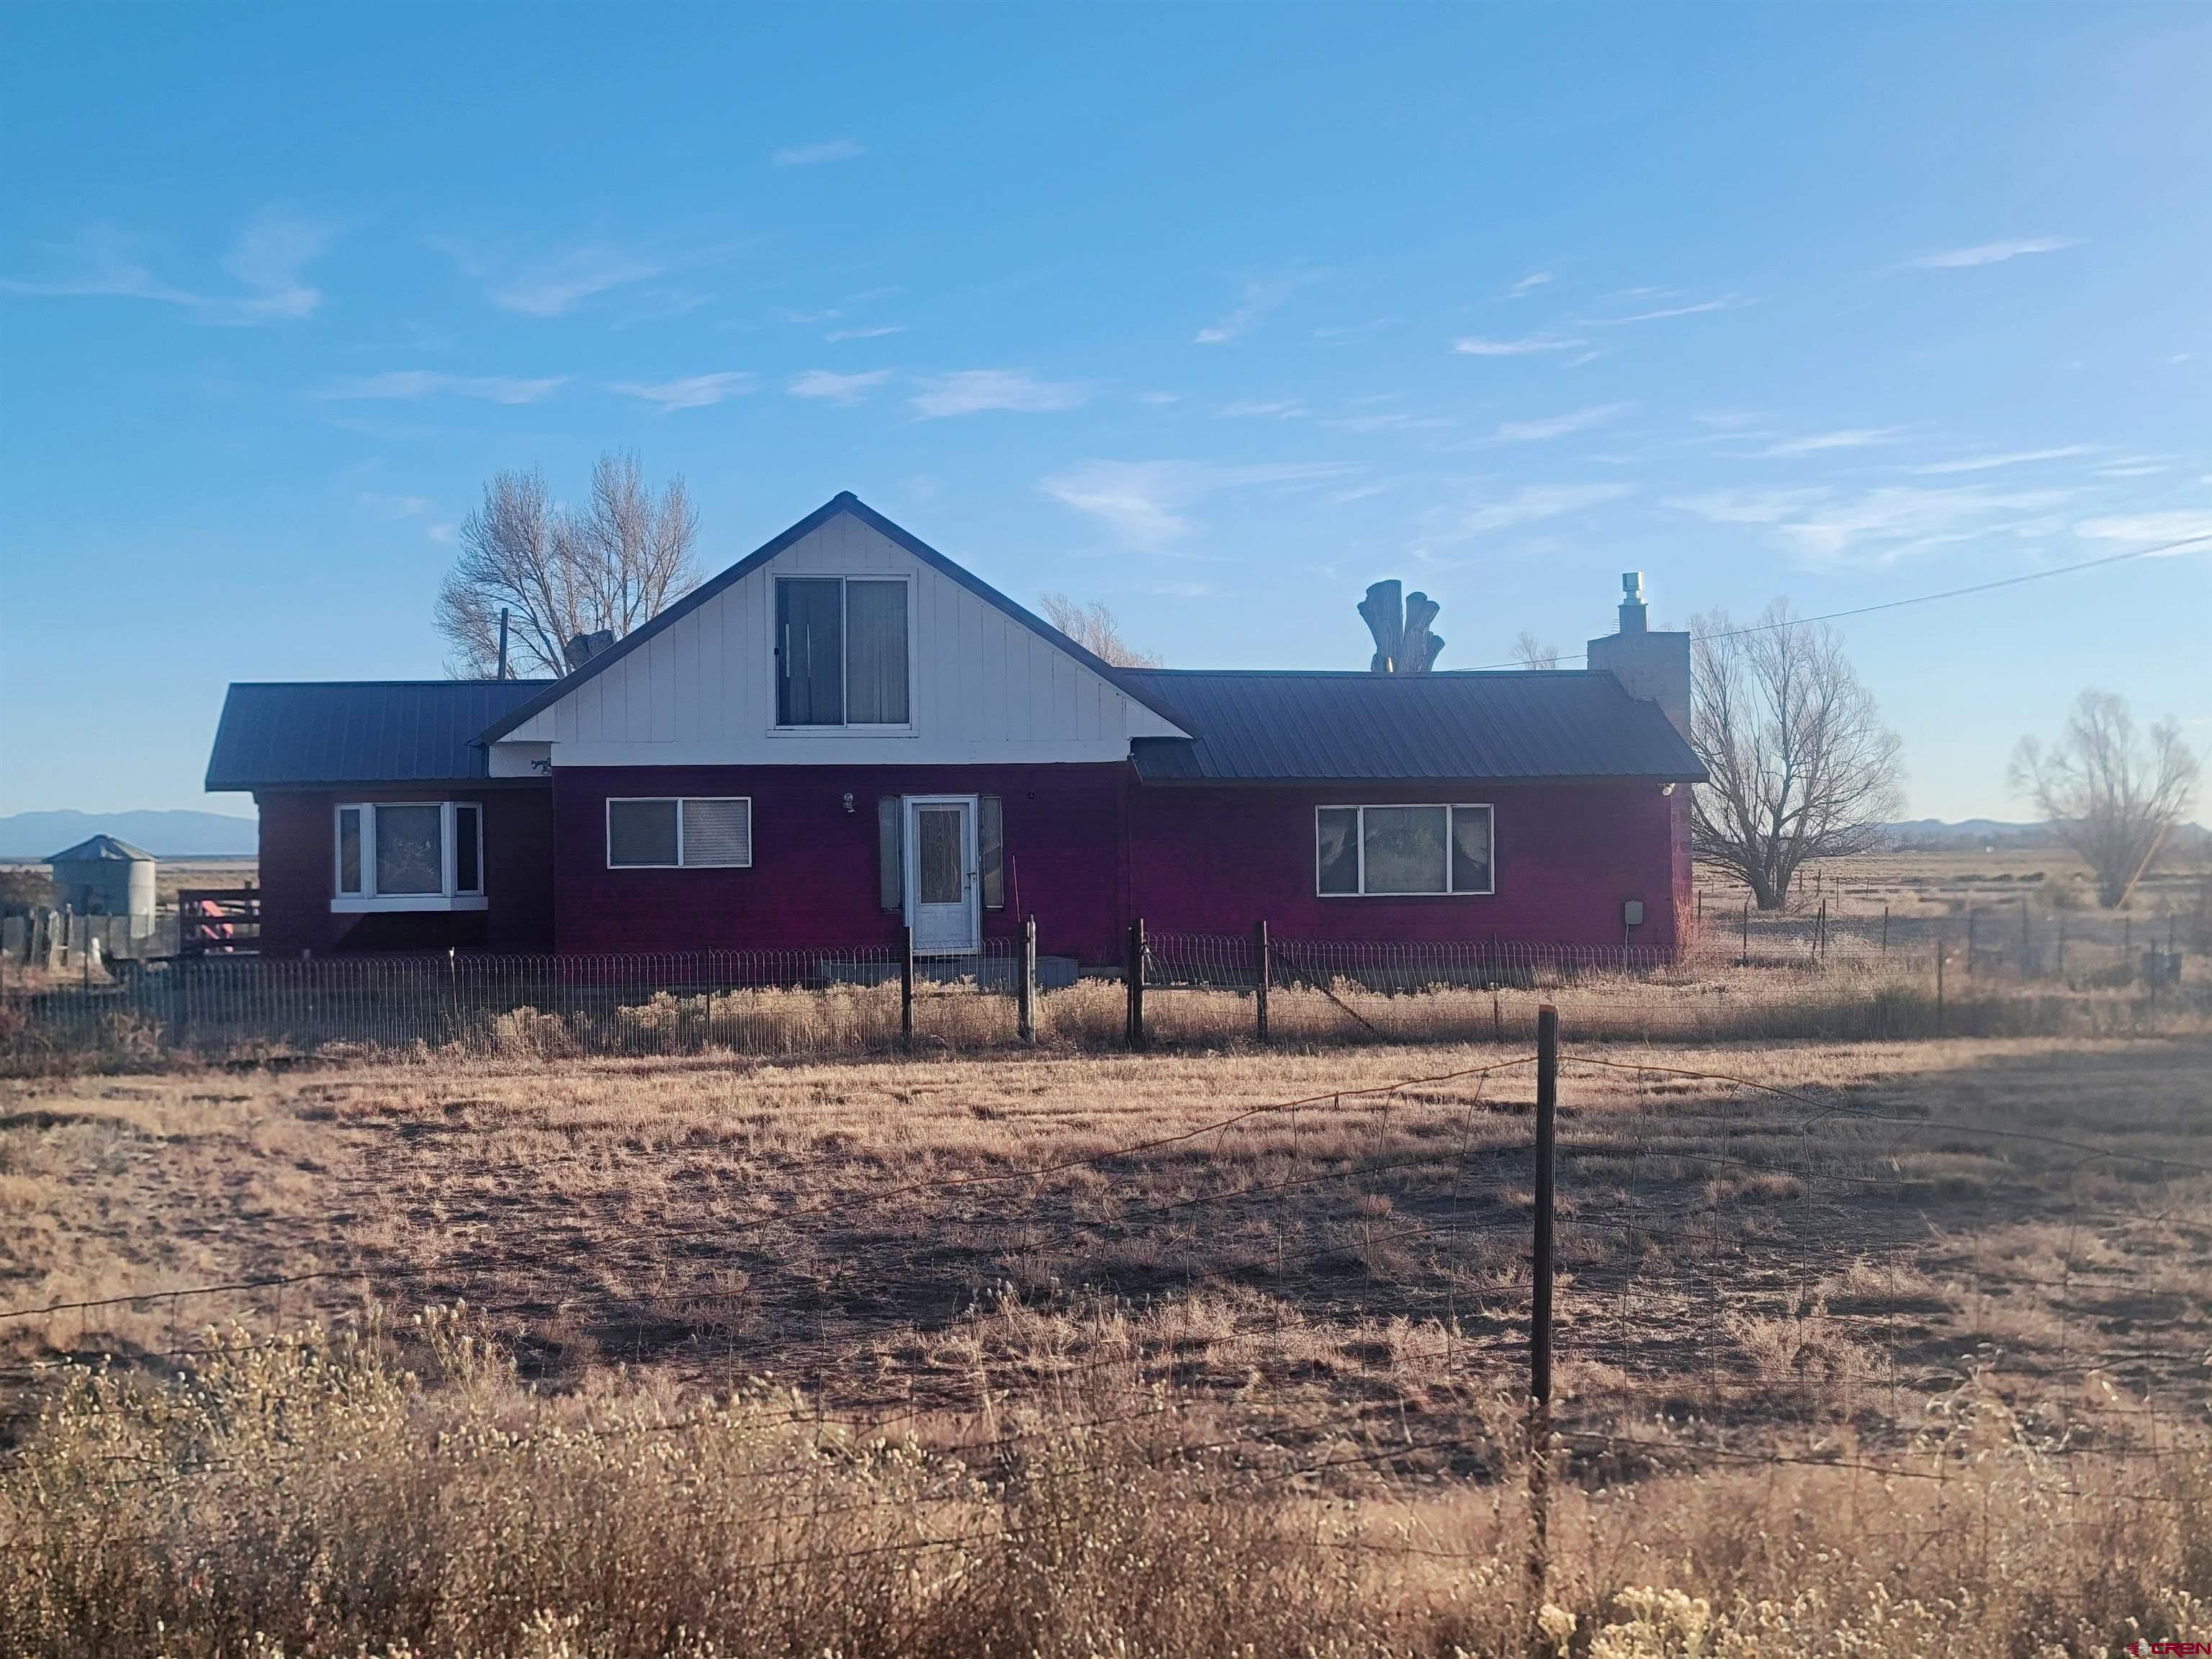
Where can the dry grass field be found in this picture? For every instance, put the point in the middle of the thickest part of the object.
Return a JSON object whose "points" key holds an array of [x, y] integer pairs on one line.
{"points": [[1863, 1347]]}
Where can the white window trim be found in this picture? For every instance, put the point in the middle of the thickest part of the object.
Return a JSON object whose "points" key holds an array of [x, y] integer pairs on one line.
{"points": [[369, 900], [676, 801], [1359, 847], [852, 728]]}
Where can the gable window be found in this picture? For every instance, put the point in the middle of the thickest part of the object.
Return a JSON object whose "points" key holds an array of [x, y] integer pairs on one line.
{"points": [[1403, 851], [409, 855], [842, 655], [680, 832]]}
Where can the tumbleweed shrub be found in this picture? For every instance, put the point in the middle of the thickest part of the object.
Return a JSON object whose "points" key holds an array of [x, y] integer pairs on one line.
{"points": [[399, 1493]]}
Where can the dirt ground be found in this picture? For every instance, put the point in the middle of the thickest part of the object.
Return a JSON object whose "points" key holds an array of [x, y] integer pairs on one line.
{"points": [[1833, 1242]]}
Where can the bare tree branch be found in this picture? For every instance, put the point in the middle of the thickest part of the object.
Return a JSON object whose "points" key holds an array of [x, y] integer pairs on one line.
{"points": [[1801, 766], [2111, 797], [1093, 628], [1532, 653], [615, 565]]}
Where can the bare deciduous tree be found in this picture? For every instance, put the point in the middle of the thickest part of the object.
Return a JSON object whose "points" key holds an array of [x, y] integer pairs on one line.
{"points": [[1801, 765], [1532, 653], [2109, 795], [1093, 628], [615, 564]]}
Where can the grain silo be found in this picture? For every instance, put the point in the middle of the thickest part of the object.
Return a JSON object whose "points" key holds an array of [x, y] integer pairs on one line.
{"points": [[105, 876]]}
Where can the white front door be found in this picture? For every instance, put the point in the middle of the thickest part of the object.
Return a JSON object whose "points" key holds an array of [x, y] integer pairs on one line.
{"points": [[944, 888]]}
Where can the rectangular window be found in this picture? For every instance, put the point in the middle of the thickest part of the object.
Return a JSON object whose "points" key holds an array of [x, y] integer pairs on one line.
{"points": [[841, 651], [468, 847], [409, 855], [692, 832], [350, 878], [1410, 851]]}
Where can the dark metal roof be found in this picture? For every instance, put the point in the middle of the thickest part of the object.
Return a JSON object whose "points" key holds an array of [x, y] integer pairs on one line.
{"points": [[844, 502], [100, 849], [1260, 727], [279, 736]]}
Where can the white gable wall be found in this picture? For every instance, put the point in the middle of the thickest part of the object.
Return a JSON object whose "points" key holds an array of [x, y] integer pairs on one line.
{"points": [[701, 691]]}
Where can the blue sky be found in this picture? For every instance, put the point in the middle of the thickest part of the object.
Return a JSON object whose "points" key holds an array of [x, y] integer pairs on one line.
{"points": [[1215, 314]]}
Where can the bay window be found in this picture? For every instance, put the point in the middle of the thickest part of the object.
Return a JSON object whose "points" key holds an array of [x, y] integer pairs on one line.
{"points": [[409, 855], [1408, 851]]}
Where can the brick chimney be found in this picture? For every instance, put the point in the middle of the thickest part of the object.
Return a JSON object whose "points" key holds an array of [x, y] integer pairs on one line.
{"points": [[1653, 666]]}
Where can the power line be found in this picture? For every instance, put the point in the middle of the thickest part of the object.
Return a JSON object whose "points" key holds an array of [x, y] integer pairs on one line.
{"points": [[1928, 598]]}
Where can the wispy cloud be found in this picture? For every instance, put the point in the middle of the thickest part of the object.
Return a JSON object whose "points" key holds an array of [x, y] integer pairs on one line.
{"points": [[1533, 503], [268, 260], [1988, 253], [1856, 437], [809, 156], [410, 384], [876, 333], [1475, 346], [1262, 408], [395, 506], [836, 388], [1528, 285], [1991, 462], [1557, 426], [1726, 302], [1146, 502], [693, 392], [549, 284], [2181, 525], [1258, 299], [973, 391], [1823, 525]]}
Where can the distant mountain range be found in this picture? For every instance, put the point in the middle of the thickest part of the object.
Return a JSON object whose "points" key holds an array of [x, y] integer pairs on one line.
{"points": [[1998, 832], [165, 835]]}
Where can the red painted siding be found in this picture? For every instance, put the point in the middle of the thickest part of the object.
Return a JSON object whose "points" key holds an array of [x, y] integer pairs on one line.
{"points": [[297, 878], [1217, 860], [813, 880], [1086, 849]]}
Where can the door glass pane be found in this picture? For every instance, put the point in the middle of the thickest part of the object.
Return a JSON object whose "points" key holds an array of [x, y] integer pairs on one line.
{"points": [[467, 876], [350, 849], [938, 855], [640, 832], [810, 684], [875, 627], [1336, 851], [1405, 849], [408, 849], [1470, 850]]}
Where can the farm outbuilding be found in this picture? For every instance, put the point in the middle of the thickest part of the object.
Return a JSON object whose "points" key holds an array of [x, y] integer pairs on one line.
{"points": [[105, 876]]}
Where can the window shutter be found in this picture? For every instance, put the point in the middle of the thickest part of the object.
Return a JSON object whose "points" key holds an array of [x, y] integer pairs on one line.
{"points": [[890, 852], [990, 838]]}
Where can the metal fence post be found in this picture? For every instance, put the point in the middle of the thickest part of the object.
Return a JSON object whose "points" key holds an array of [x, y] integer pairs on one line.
{"points": [[1885, 930], [906, 988], [1939, 986], [1540, 1321], [1134, 975], [1970, 938], [1026, 1015], [1745, 960], [1260, 984]]}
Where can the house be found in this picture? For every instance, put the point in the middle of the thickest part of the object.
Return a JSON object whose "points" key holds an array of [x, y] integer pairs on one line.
{"points": [[845, 732]]}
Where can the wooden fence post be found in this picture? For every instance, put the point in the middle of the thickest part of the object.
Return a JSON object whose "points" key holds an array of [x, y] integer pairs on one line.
{"points": [[1939, 986], [1745, 960], [906, 988], [1025, 1014], [1539, 1320], [1265, 967], [1885, 930], [1134, 975], [1970, 938]]}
